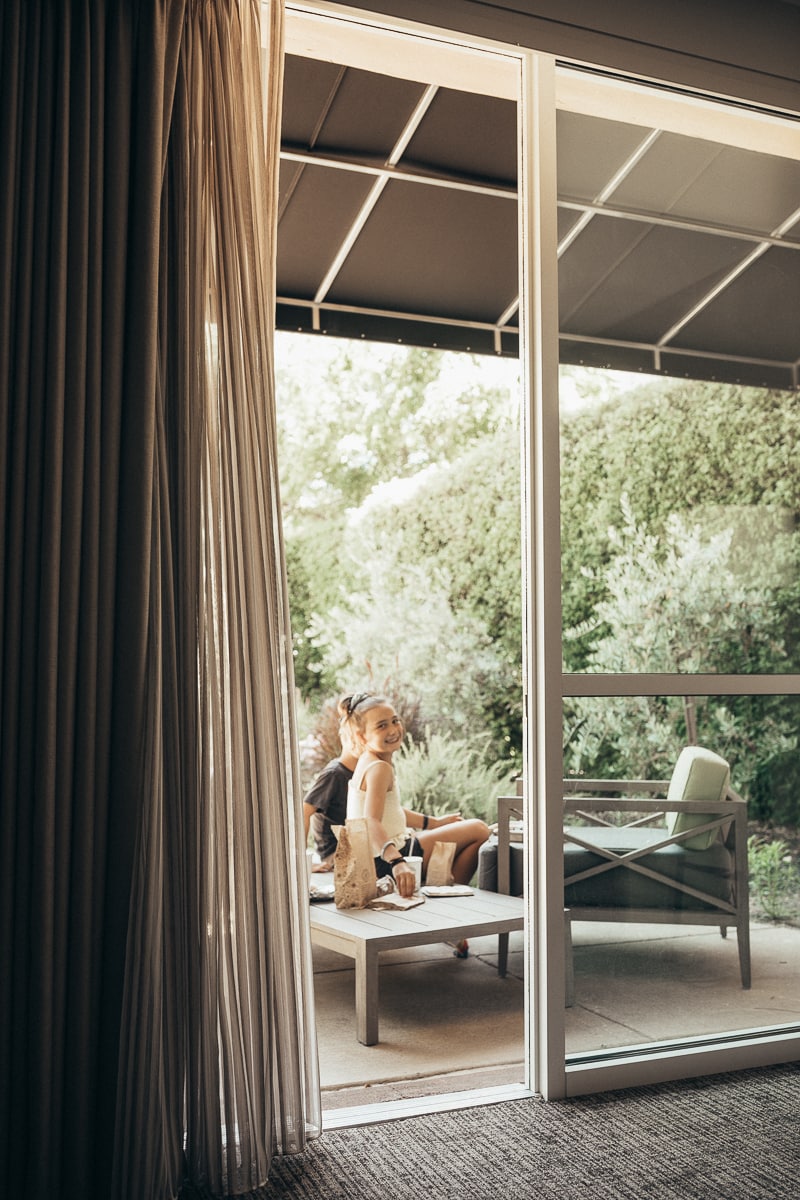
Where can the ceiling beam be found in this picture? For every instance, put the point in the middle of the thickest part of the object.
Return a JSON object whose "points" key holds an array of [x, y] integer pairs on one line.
{"points": [[609, 189], [724, 283], [654, 349], [673, 222], [353, 233], [358, 164]]}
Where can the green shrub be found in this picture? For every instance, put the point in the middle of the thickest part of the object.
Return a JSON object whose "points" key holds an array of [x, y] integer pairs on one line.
{"points": [[447, 774], [773, 877]]}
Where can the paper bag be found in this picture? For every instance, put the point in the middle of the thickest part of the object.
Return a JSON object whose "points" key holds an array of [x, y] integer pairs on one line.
{"points": [[394, 902], [354, 879], [440, 864]]}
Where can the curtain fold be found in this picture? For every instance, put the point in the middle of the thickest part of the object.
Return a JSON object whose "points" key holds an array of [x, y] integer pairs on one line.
{"points": [[155, 995], [83, 92], [222, 667]]}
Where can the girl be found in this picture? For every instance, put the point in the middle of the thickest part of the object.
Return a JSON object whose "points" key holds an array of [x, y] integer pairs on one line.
{"points": [[377, 731]]}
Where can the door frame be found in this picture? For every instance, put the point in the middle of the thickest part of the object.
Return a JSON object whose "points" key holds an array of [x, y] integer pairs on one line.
{"points": [[540, 84]]}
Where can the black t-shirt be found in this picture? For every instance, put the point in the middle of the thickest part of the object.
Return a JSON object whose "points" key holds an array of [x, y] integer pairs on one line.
{"points": [[328, 796]]}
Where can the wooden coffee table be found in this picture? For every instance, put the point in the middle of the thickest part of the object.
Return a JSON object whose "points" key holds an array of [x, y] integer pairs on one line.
{"points": [[362, 933]]}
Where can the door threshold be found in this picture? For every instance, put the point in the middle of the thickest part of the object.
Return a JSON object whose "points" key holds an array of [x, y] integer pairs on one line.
{"points": [[378, 1112]]}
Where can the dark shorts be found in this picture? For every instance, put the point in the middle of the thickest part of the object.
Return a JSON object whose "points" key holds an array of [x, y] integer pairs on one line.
{"points": [[382, 868]]}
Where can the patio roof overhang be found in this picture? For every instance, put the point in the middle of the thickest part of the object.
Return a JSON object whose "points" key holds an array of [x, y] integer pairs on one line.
{"points": [[678, 254]]}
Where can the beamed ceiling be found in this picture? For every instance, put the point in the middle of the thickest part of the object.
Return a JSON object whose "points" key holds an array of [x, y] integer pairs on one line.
{"points": [[398, 222]]}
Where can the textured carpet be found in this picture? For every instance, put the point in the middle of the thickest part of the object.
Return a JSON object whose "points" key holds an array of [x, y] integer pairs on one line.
{"points": [[723, 1137]]}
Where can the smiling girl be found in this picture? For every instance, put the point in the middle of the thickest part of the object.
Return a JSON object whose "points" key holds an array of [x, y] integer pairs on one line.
{"points": [[395, 832]]}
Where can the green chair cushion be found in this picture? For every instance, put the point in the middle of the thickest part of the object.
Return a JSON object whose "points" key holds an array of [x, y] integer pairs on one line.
{"points": [[710, 871], [699, 775]]}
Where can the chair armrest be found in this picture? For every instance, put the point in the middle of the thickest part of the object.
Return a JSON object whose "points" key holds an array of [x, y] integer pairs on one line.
{"points": [[728, 815], [506, 806]]}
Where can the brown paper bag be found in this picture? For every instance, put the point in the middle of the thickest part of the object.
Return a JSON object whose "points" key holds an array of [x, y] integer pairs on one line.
{"points": [[394, 902], [354, 879], [440, 864]]}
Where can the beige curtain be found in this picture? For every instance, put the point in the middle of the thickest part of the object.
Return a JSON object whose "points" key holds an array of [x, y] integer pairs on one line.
{"points": [[155, 981]]}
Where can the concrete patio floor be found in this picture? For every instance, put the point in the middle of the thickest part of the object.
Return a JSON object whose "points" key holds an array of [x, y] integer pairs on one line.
{"points": [[450, 1025]]}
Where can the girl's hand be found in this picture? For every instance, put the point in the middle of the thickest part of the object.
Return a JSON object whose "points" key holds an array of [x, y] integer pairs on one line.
{"points": [[404, 879], [445, 819]]}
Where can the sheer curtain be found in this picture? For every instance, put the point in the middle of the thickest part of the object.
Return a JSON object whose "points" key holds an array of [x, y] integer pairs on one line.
{"points": [[155, 983], [227, 823]]}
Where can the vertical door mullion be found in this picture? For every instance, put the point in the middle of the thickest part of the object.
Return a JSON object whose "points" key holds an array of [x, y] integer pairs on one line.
{"points": [[544, 961]]}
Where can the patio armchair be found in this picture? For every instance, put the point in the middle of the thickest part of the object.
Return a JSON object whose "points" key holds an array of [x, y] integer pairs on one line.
{"points": [[690, 869]]}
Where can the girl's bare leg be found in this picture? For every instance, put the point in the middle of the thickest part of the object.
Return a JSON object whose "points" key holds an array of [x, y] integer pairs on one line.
{"points": [[468, 836]]}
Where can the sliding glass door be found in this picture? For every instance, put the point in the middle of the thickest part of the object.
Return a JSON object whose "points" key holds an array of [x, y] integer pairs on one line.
{"points": [[658, 238], [679, 259]]}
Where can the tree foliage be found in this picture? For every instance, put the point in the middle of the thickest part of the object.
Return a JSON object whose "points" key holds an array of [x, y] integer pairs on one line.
{"points": [[349, 438], [372, 418], [680, 602], [439, 599], [311, 653], [679, 553], [723, 454], [450, 773]]}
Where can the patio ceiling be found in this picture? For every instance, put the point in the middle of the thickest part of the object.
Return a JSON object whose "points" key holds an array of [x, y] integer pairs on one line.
{"points": [[398, 222]]}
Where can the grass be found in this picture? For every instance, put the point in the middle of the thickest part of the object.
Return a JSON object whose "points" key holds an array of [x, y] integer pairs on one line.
{"points": [[774, 875]]}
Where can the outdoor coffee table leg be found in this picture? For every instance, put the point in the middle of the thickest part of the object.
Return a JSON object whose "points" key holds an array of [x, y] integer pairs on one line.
{"points": [[366, 994], [502, 954]]}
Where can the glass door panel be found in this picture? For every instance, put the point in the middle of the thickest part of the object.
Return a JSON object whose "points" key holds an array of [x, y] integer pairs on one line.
{"points": [[665, 945], [679, 269]]}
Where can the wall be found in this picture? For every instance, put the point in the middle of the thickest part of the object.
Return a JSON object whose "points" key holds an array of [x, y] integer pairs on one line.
{"points": [[734, 48]]}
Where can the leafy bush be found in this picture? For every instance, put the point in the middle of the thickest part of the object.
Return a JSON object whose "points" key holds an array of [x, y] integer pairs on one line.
{"points": [[313, 677], [446, 774], [773, 876], [406, 627], [438, 600], [401, 499], [647, 444], [681, 601]]}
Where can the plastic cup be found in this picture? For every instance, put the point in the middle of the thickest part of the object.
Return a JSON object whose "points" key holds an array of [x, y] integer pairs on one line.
{"points": [[415, 862]]}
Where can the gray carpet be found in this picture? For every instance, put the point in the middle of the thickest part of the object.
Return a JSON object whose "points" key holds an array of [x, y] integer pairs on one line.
{"points": [[724, 1137]]}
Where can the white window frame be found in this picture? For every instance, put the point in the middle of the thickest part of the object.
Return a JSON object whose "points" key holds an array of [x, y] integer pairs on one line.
{"points": [[539, 85]]}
